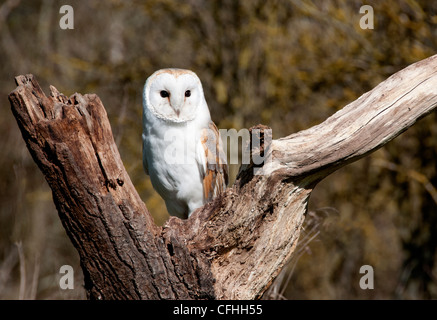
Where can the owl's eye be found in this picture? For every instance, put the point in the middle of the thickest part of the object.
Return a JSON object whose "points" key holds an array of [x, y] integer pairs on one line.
{"points": [[164, 94], [187, 93]]}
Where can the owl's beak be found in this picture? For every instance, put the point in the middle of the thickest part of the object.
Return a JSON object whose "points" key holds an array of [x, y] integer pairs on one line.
{"points": [[177, 110], [176, 104]]}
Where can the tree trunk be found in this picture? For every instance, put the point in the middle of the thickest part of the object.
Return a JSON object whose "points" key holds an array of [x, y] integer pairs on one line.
{"points": [[233, 247]]}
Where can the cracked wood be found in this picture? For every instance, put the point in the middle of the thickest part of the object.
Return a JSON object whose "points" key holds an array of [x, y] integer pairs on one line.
{"points": [[233, 247]]}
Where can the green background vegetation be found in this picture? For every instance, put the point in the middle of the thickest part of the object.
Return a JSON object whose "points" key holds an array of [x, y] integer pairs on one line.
{"points": [[285, 64]]}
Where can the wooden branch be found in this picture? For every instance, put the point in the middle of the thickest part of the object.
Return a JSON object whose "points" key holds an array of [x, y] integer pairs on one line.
{"points": [[364, 125], [233, 247]]}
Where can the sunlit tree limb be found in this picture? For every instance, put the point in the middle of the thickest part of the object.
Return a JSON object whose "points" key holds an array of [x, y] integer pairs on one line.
{"points": [[233, 247]]}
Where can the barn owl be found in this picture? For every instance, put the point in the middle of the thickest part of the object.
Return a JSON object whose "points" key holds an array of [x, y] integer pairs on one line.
{"points": [[182, 149]]}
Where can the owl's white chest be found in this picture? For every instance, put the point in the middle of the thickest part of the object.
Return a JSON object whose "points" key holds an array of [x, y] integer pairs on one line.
{"points": [[173, 163]]}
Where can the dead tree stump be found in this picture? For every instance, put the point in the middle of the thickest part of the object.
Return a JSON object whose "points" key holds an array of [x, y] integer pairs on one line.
{"points": [[231, 248]]}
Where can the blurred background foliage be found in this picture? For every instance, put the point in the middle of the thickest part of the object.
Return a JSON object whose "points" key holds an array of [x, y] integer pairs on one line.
{"points": [[285, 64]]}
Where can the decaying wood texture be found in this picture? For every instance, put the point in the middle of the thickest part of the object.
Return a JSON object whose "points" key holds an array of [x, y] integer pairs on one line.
{"points": [[233, 247]]}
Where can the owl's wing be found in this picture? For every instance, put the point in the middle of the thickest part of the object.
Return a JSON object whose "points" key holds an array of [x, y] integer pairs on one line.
{"points": [[214, 169]]}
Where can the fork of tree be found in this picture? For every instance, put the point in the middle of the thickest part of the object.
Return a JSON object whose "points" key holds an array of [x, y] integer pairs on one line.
{"points": [[234, 246]]}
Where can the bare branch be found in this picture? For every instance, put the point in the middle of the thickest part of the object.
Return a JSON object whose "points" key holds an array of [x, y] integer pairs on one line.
{"points": [[233, 247], [364, 125]]}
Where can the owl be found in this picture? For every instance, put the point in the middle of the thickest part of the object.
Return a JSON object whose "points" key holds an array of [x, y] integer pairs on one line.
{"points": [[182, 148]]}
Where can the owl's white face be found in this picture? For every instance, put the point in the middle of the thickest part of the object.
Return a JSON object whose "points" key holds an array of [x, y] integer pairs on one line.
{"points": [[173, 94]]}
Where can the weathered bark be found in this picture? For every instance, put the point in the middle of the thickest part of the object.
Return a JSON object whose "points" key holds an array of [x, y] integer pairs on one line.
{"points": [[233, 247]]}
